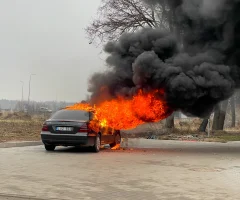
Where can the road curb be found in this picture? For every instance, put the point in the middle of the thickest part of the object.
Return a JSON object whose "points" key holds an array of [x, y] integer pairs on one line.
{"points": [[20, 144]]}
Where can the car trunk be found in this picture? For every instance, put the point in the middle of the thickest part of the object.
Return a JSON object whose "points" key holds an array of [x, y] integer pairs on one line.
{"points": [[65, 126]]}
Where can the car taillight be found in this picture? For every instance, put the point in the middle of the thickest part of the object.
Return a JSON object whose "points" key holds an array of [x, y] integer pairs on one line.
{"points": [[45, 128], [84, 128]]}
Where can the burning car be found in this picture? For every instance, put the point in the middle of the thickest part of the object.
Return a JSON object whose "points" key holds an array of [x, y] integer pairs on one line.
{"points": [[77, 128]]}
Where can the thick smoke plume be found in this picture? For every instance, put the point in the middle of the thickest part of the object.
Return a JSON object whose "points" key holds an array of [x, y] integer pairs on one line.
{"points": [[195, 77]]}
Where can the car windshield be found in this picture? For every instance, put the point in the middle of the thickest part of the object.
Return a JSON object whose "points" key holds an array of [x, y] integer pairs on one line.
{"points": [[71, 115]]}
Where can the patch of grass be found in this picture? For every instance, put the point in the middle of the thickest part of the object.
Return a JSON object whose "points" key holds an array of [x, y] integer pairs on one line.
{"points": [[215, 140], [17, 130], [229, 137]]}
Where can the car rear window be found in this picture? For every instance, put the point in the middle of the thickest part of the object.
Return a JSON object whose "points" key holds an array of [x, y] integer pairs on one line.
{"points": [[71, 115]]}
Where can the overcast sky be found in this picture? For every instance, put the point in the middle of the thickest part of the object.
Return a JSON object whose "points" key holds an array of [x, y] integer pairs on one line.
{"points": [[47, 38]]}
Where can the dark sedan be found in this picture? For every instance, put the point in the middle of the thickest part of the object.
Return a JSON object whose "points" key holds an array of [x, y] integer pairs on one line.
{"points": [[71, 128]]}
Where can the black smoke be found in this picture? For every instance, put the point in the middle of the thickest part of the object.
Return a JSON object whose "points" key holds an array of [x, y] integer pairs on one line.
{"points": [[195, 74]]}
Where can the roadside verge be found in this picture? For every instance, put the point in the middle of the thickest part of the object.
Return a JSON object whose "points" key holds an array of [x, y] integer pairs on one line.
{"points": [[20, 144]]}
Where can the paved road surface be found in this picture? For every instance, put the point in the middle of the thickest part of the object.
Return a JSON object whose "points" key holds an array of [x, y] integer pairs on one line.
{"points": [[167, 170]]}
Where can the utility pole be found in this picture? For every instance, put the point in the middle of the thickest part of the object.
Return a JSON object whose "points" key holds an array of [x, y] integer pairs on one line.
{"points": [[56, 106], [209, 126], [22, 104], [29, 89]]}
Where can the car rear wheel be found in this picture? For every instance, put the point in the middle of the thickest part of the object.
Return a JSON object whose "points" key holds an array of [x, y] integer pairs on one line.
{"points": [[49, 147], [117, 140], [97, 145]]}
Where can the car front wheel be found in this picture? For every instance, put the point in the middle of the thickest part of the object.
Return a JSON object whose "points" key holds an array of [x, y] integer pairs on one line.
{"points": [[49, 147]]}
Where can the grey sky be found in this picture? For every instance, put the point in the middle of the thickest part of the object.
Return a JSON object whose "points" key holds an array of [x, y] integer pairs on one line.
{"points": [[47, 37]]}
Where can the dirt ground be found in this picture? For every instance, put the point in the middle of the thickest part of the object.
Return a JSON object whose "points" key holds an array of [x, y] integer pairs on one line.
{"points": [[22, 127]]}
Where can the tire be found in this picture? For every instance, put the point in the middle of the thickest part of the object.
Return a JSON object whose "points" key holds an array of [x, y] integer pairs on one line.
{"points": [[117, 140], [49, 147], [97, 145]]}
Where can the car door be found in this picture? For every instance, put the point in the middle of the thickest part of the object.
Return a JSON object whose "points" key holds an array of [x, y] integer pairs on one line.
{"points": [[111, 135], [105, 135]]}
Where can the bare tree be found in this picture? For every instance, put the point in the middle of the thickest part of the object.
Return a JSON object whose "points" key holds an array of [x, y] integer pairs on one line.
{"points": [[118, 16], [233, 111], [170, 121], [173, 27], [203, 125], [219, 115]]}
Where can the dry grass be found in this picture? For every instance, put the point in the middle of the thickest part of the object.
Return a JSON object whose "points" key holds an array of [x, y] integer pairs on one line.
{"points": [[185, 129], [19, 127], [182, 127], [19, 130]]}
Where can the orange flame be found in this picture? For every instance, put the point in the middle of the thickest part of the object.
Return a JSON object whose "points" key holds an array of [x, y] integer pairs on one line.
{"points": [[121, 113], [116, 147]]}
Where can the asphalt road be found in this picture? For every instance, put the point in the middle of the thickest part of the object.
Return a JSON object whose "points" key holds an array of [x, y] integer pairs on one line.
{"points": [[151, 170]]}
